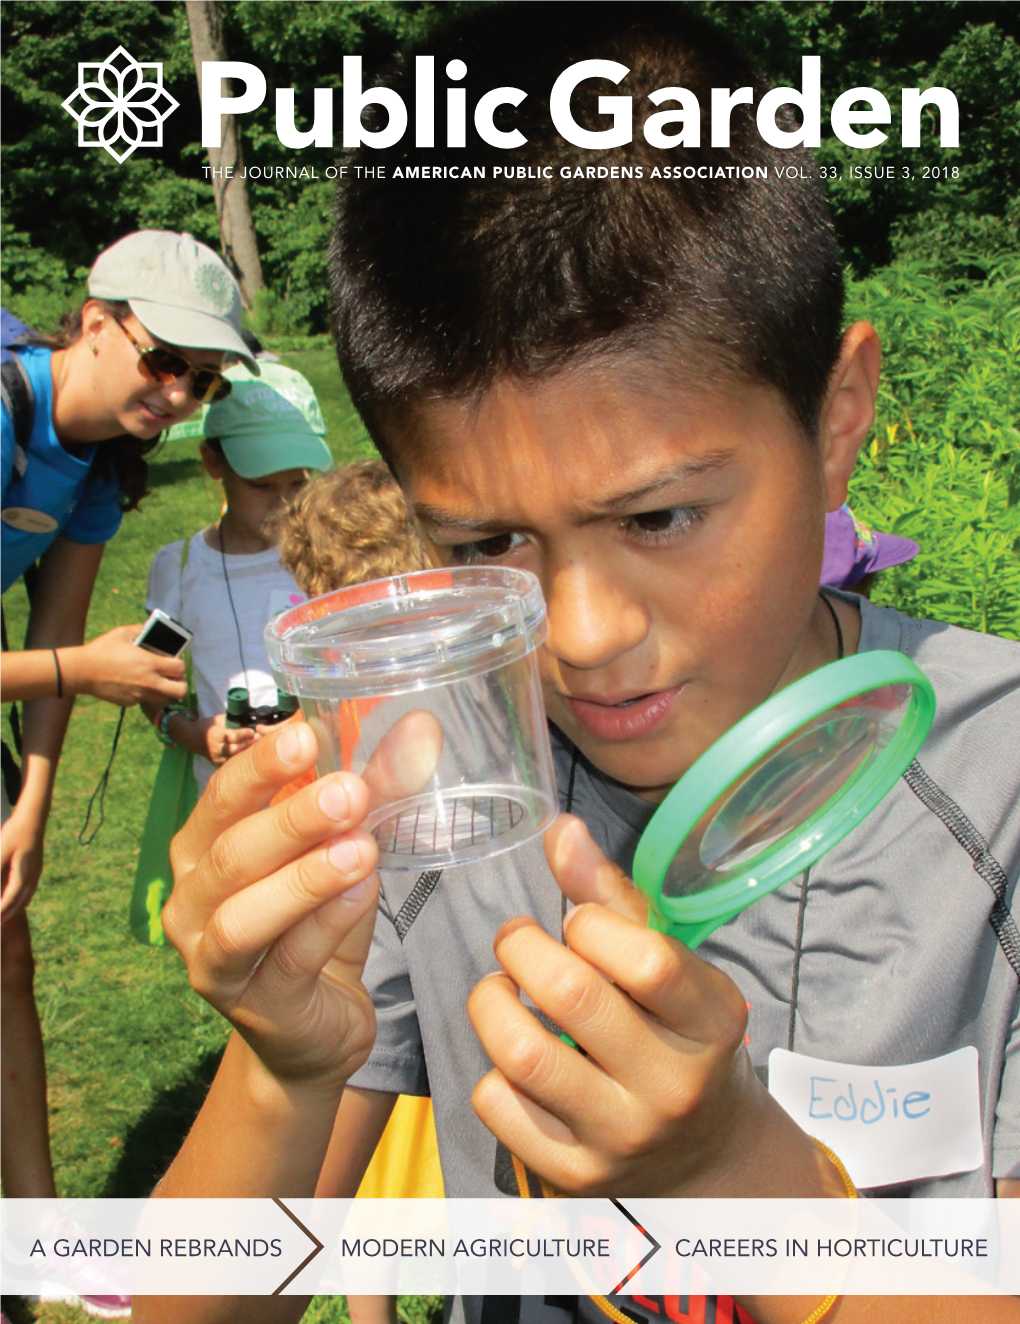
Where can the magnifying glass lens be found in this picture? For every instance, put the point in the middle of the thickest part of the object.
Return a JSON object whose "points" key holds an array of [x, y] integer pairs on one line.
{"points": [[775, 802]]}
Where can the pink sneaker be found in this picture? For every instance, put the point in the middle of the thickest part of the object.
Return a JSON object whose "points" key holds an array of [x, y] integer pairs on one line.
{"points": [[107, 1307]]}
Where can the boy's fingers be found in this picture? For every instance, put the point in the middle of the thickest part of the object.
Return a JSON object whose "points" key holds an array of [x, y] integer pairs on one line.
{"points": [[405, 760], [584, 873], [333, 940], [574, 1117], [693, 1000], [269, 841], [529, 1056], [242, 787], [691, 1006], [536, 1136], [169, 689], [540, 1081], [605, 1021], [250, 922], [347, 964]]}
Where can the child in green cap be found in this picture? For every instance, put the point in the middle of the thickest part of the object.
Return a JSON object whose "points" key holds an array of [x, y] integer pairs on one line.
{"points": [[226, 582]]}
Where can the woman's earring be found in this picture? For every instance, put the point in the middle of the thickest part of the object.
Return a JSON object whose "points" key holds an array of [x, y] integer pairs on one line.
{"points": [[94, 348]]}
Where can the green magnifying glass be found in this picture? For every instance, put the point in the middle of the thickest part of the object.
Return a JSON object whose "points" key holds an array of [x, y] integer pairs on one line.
{"points": [[781, 788]]}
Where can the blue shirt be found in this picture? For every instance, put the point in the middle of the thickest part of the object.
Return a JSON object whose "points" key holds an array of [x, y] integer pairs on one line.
{"points": [[56, 482]]}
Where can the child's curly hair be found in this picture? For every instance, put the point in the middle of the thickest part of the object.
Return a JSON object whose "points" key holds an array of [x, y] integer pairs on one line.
{"points": [[347, 526]]}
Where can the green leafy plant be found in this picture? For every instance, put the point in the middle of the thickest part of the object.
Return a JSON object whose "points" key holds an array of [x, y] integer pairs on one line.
{"points": [[943, 466]]}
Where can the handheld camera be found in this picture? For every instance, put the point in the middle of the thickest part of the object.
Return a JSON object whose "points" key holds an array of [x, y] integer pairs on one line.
{"points": [[162, 634]]}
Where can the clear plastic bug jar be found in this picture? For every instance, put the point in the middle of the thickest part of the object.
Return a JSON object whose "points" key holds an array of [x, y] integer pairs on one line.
{"points": [[426, 685]]}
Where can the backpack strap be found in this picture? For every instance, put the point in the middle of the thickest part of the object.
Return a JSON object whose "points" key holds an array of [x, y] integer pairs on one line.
{"points": [[19, 401]]}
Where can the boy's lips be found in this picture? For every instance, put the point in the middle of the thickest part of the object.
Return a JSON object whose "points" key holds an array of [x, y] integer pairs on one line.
{"points": [[623, 717]]}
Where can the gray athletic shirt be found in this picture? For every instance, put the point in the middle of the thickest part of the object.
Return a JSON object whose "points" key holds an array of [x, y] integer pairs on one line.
{"points": [[896, 959]]}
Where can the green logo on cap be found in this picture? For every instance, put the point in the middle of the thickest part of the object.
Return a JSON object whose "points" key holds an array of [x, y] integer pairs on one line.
{"points": [[216, 285]]}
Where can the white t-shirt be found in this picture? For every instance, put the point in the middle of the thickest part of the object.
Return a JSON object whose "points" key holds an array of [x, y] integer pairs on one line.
{"points": [[227, 651]]}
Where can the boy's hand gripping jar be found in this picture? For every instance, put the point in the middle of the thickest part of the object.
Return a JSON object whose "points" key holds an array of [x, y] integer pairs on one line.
{"points": [[426, 685]]}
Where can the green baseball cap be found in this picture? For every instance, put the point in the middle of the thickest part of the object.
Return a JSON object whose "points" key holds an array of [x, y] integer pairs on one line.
{"points": [[179, 290], [269, 423]]}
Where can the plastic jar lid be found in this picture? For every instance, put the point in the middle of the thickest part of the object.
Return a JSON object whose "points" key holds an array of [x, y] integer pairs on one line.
{"points": [[407, 632]]}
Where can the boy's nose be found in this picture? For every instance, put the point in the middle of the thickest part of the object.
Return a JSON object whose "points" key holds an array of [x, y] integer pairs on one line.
{"points": [[592, 619]]}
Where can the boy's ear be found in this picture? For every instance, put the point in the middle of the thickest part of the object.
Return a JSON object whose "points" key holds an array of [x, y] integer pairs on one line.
{"points": [[849, 410], [214, 463]]}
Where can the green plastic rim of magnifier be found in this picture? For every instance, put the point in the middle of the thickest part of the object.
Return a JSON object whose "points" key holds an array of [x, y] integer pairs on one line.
{"points": [[693, 918]]}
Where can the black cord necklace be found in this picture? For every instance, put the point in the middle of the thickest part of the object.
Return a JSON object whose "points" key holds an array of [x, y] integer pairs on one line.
{"points": [[805, 878], [230, 598], [802, 903], [835, 621]]}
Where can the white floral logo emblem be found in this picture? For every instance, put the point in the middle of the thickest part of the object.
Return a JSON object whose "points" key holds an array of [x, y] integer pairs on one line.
{"points": [[120, 104]]}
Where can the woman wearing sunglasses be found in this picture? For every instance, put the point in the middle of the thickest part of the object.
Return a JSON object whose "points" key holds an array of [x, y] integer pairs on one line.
{"points": [[84, 407]]}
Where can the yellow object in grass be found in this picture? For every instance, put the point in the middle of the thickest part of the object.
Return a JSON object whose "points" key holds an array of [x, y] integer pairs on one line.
{"points": [[405, 1165]]}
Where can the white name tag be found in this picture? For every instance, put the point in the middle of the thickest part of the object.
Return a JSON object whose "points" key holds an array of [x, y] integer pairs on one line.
{"points": [[26, 520], [887, 1124]]}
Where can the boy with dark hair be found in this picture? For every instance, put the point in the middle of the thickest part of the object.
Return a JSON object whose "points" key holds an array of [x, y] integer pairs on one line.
{"points": [[635, 386]]}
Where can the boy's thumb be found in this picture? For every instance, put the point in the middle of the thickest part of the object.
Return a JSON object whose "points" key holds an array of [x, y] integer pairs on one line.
{"points": [[585, 874]]}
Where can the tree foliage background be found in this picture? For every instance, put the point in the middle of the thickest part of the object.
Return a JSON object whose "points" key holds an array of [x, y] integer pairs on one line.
{"points": [[935, 261], [62, 205]]}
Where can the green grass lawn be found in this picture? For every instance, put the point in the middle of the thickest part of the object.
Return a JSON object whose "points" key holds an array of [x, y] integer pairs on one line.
{"points": [[130, 1049]]}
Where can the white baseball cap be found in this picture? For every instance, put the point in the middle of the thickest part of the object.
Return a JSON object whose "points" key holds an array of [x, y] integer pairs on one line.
{"points": [[179, 290]]}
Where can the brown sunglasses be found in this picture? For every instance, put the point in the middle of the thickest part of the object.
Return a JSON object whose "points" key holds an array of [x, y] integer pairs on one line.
{"points": [[164, 366]]}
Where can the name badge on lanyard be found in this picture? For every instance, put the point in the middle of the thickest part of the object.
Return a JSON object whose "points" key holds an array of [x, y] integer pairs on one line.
{"points": [[887, 1124], [27, 520]]}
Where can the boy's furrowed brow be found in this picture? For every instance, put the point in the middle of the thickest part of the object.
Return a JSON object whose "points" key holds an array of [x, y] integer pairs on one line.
{"points": [[673, 477], [450, 521], [436, 517]]}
